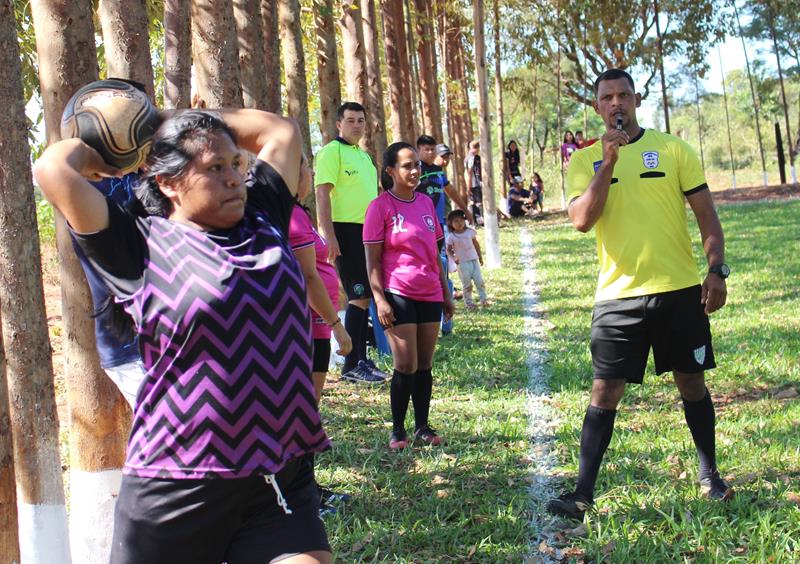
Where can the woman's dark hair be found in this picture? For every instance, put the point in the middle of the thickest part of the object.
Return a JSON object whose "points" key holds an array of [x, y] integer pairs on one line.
{"points": [[390, 160], [568, 132], [536, 177], [516, 147], [178, 140]]}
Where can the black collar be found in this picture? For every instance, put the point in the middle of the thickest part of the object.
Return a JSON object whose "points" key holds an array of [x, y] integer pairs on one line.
{"points": [[343, 141], [637, 136]]}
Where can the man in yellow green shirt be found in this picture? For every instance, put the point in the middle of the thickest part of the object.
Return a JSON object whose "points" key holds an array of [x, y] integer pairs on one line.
{"points": [[346, 182], [632, 189]]}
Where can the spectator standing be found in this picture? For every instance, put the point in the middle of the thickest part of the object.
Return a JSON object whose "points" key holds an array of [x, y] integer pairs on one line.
{"points": [[474, 180], [568, 146], [512, 159], [347, 181], [537, 192], [462, 244]]}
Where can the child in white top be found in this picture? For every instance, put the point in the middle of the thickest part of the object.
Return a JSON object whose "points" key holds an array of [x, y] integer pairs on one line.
{"points": [[463, 247]]}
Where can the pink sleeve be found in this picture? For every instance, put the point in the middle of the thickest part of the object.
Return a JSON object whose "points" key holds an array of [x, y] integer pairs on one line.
{"points": [[439, 232], [300, 233], [373, 223]]}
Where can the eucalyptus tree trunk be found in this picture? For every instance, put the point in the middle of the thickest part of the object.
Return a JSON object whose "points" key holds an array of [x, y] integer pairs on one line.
{"points": [[355, 66], [447, 33], [177, 54], [9, 532], [215, 54], [126, 41], [247, 15], [498, 95], [487, 174], [428, 66], [330, 95], [98, 415], [272, 54], [771, 24], [399, 70], [416, 103], [377, 117], [660, 51]]}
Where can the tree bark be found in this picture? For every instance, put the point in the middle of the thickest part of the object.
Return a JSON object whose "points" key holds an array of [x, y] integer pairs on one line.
{"points": [[215, 54], [377, 117], [330, 93], [355, 65], [428, 80], [498, 95], [272, 54], [127, 41], [295, 72], [177, 54], [247, 15], [489, 205], [416, 103], [15, 184], [447, 33], [99, 416], [398, 69], [660, 50]]}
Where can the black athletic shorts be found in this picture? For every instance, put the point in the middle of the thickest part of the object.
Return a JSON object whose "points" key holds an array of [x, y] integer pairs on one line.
{"points": [[322, 355], [407, 310], [674, 324], [238, 521], [352, 262]]}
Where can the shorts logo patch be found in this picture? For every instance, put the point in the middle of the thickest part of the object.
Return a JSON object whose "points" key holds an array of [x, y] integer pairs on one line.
{"points": [[358, 289], [700, 355], [429, 223], [596, 165], [650, 159]]}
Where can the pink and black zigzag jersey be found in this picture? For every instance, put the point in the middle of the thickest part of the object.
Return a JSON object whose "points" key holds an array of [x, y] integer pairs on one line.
{"points": [[224, 333]]}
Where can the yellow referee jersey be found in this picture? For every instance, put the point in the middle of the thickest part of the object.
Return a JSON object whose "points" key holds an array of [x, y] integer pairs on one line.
{"points": [[642, 236]]}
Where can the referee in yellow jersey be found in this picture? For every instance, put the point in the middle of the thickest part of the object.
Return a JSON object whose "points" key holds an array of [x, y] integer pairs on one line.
{"points": [[632, 188]]}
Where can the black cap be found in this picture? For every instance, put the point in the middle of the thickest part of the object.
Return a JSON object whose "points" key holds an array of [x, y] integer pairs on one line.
{"points": [[443, 150]]}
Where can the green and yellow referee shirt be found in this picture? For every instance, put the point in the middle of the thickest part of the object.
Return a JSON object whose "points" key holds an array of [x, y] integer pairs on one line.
{"points": [[354, 179]]}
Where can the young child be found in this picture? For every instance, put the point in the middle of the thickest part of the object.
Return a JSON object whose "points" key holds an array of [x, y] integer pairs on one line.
{"points": [[463, 247]]}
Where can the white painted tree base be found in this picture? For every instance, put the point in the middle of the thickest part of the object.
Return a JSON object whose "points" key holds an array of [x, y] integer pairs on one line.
{"points": [[43, 537], [91, 517], [492, 242]]}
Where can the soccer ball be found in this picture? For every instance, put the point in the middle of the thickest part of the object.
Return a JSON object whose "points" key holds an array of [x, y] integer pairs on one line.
{"points": [[115, 118]]}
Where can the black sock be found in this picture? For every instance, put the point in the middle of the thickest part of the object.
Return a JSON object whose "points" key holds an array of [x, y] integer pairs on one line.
{"points": [[354, 319], [421, 394], [701, 420], [598, 426], [362, 351], [400, 394]]}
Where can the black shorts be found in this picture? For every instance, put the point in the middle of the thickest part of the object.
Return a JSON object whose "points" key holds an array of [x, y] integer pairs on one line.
{"points": [[322, 355], [476, 195], [352, 262], [237, 521], [674, 324], [407, 310]]}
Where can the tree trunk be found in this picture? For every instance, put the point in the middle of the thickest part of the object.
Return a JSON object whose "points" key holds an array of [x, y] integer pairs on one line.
{"points": [[489, 204], [15, 185], [377, 117], [355, 65], [783, 95], [399, 70], [272, 54], [99, 416], [177, 54], [498, 95], [428, 81], [327, 68], [126, 41], [215, 54], [660, 43], [247, 15], [416, 104], [447, 33]]}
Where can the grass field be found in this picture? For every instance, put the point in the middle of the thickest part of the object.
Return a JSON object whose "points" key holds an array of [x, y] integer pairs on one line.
{"points": [[649, 507], [468, 501]]}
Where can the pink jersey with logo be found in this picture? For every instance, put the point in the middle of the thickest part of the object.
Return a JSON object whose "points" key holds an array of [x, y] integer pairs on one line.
{"points": [[302, 234], [409, 232]]}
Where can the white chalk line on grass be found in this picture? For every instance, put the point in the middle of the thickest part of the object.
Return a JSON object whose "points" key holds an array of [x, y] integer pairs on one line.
{"points": [[542, 418]]}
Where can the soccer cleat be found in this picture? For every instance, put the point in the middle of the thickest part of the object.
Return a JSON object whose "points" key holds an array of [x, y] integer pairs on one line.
{"points": [[369, 365], [362, 374], [428, 436], [571, 505], [714, 487], [398, 441], [325, 510], [328, 497]]}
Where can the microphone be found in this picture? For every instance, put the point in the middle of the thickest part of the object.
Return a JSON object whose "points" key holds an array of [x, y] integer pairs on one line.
{"points": [[619, 122]]}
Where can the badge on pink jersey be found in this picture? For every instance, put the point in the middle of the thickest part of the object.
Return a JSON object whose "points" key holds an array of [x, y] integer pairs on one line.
{"points": [[430, 223]]}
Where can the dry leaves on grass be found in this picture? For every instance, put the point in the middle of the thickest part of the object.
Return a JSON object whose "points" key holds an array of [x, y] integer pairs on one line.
{"points": [[793, 497]]}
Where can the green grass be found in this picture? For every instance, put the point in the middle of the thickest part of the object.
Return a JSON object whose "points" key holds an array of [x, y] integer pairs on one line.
{"points": [[467, 500], [649, 507]]}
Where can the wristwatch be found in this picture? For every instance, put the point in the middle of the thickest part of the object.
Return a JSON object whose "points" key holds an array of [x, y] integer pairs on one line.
{"points": [[721, 270]]}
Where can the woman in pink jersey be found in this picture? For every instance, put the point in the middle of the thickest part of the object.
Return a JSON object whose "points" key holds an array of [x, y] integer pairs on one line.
{"points": [[402, 238]]}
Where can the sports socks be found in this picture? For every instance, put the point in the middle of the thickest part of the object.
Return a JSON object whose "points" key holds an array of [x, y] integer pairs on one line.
{"points": [[701, 419], [598, 426], [400, 395], [421, 393], [355, 319]]}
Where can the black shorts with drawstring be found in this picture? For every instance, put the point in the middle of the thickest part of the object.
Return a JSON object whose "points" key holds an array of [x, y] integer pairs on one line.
{"points": [[238, 521], [674, 324]]}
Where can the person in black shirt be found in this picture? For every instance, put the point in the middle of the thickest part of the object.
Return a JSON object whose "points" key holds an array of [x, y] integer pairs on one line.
{"points": [[512, 159]]}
